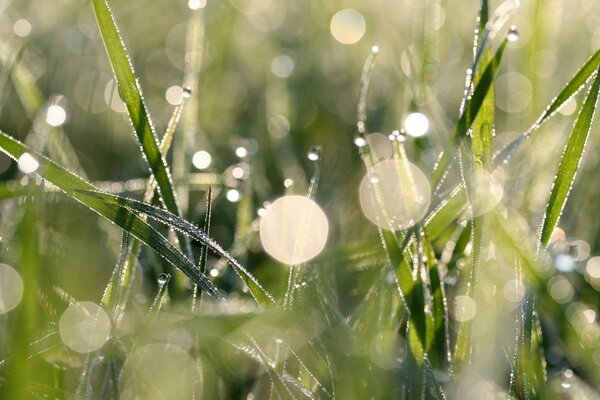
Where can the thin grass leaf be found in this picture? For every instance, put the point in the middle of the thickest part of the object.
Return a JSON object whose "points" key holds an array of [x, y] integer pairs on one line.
{"points": [[258, 292], [73, 186], [131, 94], [574, 86], [569, 163], [471, 110]]}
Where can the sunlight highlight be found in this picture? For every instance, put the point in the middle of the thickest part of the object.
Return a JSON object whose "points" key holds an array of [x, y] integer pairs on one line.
{"points": [[27, 164], [416, 124], [84, 327], [395, 195], [158, 371], [347, 26], [11, 288], [294, 229]]}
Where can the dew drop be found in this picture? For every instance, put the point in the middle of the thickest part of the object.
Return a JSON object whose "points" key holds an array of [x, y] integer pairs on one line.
{"points": [[27, 163], [241, 151], [513, 34], [233, 195], [56, 115], [163, 278], [22, 28], [187, 92], [360, 141], [347, 26], [375, 49], [201, 159], [416, 124], [314, 154]]}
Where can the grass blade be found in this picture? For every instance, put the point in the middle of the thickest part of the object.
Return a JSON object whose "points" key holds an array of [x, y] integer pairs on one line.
{"points": [[569, 163], [73, 186], [473, 106], [131, 94], [571, 89], [258, 292]]}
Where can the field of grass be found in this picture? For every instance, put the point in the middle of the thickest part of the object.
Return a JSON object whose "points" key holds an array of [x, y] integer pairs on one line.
{"points": [[269, 199]]}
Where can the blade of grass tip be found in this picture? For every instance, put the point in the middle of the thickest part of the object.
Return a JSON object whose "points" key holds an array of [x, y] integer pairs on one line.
{"points": [[472, 108], [574, 86], [314, 155], [73, 186], [361, 108], [261, 296], [569, 163], [131, 94], [161, 295], [202, 259]]}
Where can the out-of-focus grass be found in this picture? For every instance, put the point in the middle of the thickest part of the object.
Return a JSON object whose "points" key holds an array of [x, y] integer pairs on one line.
{"points": [[464, 304]]}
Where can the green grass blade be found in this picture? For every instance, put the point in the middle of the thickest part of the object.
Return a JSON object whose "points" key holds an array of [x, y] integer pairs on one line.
{"points": [[131, 94], [569, 163], [472, 108], [73, 186], [571, 89], [258, 292]]}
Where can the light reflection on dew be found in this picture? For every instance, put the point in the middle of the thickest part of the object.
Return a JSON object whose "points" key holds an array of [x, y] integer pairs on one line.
{"points": [[201, 159], [487, 192], [22, 28], [294, 229], [196, 4], [84, 327], [56, 115], [241, 152], [288, 182], [11, 288], [282, 66], [233, 195], [394, 195], [174, 95], [416, 124], [593, 267], [347, 26], [464, 308], [27, 163], [564, 263], [158, 371]]}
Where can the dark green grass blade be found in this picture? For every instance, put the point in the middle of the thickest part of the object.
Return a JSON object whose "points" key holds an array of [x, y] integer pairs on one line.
{"points": [[72, 186], [569, 163], [131, 94], [258, 292], [571, 89], [471, 110]]}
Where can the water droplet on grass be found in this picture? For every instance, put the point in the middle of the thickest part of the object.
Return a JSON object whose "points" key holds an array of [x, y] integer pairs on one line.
{"points": [[27, 163], [314, 154], [201, 159], [513, 34], [360, 141], [347, 26], [56, 115], [416, 124], [163, 278]]}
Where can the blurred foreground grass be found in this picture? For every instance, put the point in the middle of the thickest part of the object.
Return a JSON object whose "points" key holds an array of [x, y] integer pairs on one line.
{"points": [[481, 291]]}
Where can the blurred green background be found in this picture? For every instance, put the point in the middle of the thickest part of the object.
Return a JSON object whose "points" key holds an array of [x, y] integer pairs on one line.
{"points": [[275, 80]]}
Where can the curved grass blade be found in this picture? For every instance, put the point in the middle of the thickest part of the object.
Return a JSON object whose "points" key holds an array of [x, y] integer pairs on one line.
{"points": [[582, 76], [73, 186], [569, 163], [131, 94], [261, 296]]}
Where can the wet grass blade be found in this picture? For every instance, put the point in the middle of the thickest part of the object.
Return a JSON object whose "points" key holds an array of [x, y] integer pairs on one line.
{"points": [[569, 163], [258, 292], [571, 89], [472, 108], [131, 94], [73, 186]]}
